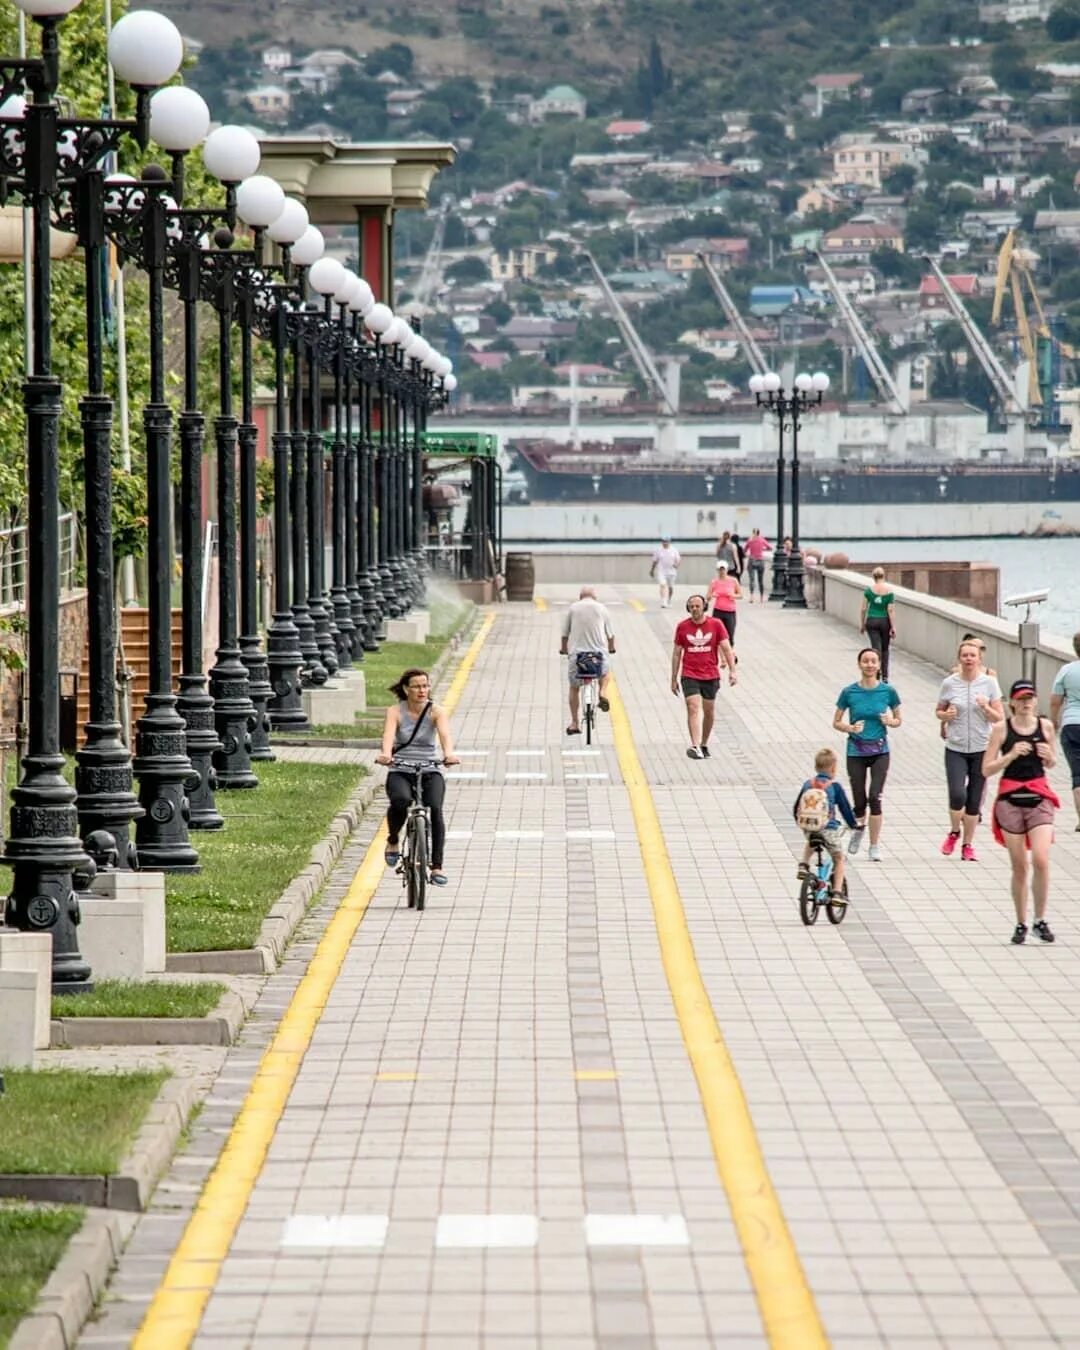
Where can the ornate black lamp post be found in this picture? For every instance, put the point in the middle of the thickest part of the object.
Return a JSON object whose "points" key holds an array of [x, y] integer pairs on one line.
{"points": [[807, 393], [42, 154], [368, 581], [352, 359], [342, 502], [284, 657], [766, 389]]}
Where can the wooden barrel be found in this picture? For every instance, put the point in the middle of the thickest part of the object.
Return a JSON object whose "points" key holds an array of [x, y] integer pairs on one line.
{"points": [[520, 576]]}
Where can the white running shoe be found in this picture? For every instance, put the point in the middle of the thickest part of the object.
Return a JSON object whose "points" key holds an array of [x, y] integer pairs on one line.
{"points": [[855, 842], [875, 853]]}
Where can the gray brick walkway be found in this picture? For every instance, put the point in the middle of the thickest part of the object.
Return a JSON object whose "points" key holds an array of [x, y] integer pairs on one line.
{"points": [[513, 1052]]}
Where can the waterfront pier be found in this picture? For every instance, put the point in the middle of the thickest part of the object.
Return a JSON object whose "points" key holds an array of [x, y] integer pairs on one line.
{"points": [[607, 1090]]}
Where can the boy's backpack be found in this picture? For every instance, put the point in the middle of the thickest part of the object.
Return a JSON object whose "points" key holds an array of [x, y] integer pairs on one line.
{"points": [[813, 812]]}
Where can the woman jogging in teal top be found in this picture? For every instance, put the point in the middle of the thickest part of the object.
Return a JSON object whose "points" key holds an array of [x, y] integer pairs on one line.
{"points": [[866, 710]]}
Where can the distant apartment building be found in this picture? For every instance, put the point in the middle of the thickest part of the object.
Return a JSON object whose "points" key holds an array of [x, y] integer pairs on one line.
{"points": [[270, 102], [862, 160], [826, 89], [521, 264], [276, 59], [858, 239], [932, 297], [722, 253], [561, 100]]}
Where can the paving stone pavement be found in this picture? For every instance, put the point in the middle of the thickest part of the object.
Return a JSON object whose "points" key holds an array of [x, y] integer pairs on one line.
{"points": [[513, 1051]]}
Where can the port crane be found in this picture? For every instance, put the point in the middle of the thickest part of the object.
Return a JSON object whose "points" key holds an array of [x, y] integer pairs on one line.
{"points": [[431, 270], [1014, 272], [878, 370], [753, 353], [639, 352]]}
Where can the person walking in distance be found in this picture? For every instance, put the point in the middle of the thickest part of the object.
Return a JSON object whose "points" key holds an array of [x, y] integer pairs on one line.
{"points": [[877, 619], [866, 710], [1065, 710], [969, 706], [587, 629], [724, 590], [409, 732], [1021, 749], [727, 551], [665, 568], [755, 549], [699, 642]]}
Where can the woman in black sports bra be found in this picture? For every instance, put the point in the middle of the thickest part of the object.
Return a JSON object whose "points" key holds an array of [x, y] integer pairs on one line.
{"points": [[1022, 749]]}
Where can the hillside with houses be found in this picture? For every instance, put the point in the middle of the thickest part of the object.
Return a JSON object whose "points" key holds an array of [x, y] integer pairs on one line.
{"points": [[941, 135]]}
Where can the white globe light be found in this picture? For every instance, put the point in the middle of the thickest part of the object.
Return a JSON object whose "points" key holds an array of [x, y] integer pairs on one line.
{"points": [[804, 382], [450, 383], [231, 154], [326, 275], [757, 384], [431, 361], [443, 367], [770, 382], [821, 381], [13, 106], [421, 350], [398, 332], [145, 48], [308, 248], [179, 118], [46, 9], [379, 318], [259, 200], [344, 292], [362, 297], [291, 224]]}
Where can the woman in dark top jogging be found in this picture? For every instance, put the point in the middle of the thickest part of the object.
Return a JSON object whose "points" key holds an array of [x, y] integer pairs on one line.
{"points": [[1022, 749], [409, 736], [865, 710]]}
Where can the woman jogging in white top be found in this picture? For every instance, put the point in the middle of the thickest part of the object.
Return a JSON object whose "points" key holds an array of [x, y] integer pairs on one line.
{"points": [[969, 707]]}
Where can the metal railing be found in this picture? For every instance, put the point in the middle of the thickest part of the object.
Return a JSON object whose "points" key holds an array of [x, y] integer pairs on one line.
{"points": [[13, 554]]}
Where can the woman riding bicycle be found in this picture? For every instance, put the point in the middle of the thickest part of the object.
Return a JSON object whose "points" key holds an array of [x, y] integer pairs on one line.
{"points": [[409, 738]]}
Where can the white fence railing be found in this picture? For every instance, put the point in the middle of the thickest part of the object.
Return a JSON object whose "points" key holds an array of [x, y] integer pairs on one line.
{"points": [[13, 551]]}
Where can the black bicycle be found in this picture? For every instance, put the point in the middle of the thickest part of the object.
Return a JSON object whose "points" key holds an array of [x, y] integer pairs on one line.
{"points": [[416, 847], [816, 889]]}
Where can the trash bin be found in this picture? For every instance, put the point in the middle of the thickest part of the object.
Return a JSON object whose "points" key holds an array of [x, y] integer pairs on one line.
{"points": [[69, 711]]}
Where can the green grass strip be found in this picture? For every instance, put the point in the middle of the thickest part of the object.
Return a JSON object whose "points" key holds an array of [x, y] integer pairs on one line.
{"points": [[68, 1120], [266, 842], [32, 1241], [131, 998]]}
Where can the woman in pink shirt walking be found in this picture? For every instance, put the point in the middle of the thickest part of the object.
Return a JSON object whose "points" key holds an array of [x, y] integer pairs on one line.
{"points": [[755, 549], [724, 590]]}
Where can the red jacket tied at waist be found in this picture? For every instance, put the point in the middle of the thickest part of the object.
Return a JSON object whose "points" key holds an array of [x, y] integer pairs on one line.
{"points": [[1007, 785]]}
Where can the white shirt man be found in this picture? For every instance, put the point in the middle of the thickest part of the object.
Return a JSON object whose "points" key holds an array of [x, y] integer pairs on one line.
{"points": [[586, 628], [665, 567]]}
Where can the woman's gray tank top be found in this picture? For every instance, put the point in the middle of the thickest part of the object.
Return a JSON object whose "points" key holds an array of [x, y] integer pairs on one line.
{"points": [[422, 749]]}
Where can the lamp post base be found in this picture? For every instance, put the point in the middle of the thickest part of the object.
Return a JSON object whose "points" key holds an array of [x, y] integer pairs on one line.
{"points": [[779, 576], [343, 622], [284, 658], [260, 691], [373, 622], [196, 707], [359, 633], [104, 795], [164, 772], [796, 580], [234, 716]]}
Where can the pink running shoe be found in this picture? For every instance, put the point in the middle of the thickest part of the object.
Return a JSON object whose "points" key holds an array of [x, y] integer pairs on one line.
{"points": [[951, 841], [967, 853]]}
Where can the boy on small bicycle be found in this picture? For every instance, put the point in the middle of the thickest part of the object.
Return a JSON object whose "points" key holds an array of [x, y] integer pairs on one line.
{"points": [[822, 809]]}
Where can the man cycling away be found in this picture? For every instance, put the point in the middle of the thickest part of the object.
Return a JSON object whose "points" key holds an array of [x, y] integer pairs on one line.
{"points": [[699, 642], [587, 630]]}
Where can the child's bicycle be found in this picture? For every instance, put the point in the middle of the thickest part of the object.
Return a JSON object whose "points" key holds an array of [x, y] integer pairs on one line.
{"points": [[816, 889]]}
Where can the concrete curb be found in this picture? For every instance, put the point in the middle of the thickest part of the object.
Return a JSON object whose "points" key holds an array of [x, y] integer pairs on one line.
{"points": [[70, 1294], [219, 1027], [282, 920], [133, 1184]]}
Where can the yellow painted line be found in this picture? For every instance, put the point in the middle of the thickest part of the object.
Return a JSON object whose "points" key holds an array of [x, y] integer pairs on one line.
{"points": [[595, 1075], [396, 1077], [173, 1317], [637, 604], [787, 1306], [457, 684], [540, 603]]}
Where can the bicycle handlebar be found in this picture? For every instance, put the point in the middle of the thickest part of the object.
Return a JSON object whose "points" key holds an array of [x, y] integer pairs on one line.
{"points": [[405, 766]]}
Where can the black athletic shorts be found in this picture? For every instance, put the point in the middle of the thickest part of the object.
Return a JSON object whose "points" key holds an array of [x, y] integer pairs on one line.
{"points": [[706, 688]]}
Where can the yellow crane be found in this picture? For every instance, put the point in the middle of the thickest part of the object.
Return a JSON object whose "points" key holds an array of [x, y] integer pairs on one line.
{"points": [[1014, 270]]}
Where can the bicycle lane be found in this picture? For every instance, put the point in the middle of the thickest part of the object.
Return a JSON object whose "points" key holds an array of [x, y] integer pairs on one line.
{"points": [[492, 1131], [924, 1159]]}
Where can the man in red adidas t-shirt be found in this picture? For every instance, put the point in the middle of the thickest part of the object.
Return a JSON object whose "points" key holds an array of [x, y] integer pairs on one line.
{"points": [[698, 644]]}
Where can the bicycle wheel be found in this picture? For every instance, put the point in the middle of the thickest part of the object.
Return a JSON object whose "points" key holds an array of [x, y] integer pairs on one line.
{"points": [[589, 699], [406, 867], [836, 909], [808, 905], [418, 865]]}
